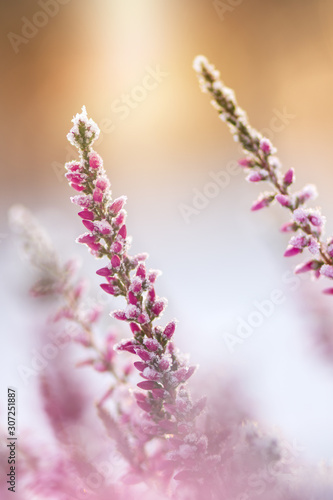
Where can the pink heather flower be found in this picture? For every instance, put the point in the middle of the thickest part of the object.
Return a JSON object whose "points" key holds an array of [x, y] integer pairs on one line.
{"points": [[328, 291], [97, 195], [153, 274], [135, 328], [266, 146], [330, 247], [128, 345], [151, 374], [169, 330], [86, 238], [103, 226], [87, 214], [141, 271], [327, 270], [116, 247], [119, 219], [313, 246], [262, 202], [299, 241], [117, 205], [158, 307], [131, 311], [140, 365], [159, 393], [84, 200], [89, 127], [147, 385], [77, 187], [144, 355], [145, 406], [164, 364], [73, 166], [138, 258], [132, 298], [119, 315], [184, 373], [151, 294], [256, 177], [288, 227], [246, 162], [152, 344], [95, 161], [312, 265], [143, 318], [122, 231], [283, 200], [316, 218], [300, 216], [289, 177], [291, 251], [115, 261], [102, 183], [136, 285], [309, 192], [88, 224], [74, 177], [109, 288], [104, 271]]}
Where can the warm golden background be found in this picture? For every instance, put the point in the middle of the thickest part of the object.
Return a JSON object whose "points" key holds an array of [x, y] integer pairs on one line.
{"points": [[276, 54]]}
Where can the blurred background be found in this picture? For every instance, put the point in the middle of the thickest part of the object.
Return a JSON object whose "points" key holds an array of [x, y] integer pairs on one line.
{"points": [[130, 63]]}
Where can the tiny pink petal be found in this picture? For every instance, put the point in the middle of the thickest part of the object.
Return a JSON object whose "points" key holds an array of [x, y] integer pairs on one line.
{"points": [[289, 177], [87, 214], [115, 261], [290, 252], [97, 195], [95, 161]]}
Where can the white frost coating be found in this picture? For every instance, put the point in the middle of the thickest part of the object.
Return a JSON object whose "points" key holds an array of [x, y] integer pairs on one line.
{"points": [[131, 311], [199, 62], [314, 246], [84, 200], [151, 374], [151, 343], [300, 215], [217, 86], [327, 271], [229, 94], [80, 119], [103, 226], [310, 191]]}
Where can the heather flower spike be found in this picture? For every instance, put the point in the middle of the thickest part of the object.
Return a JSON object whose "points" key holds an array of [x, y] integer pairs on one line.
{"points": [[165, 373], [262, 165]]}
